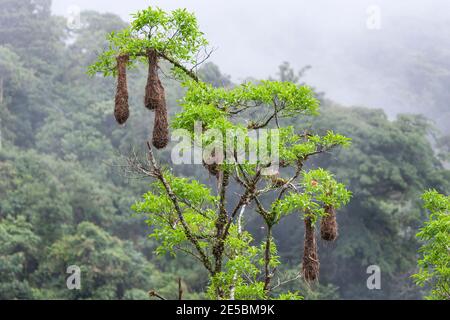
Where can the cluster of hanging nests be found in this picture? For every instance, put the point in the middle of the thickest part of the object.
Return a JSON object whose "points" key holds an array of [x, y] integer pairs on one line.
{"points": [[154, 100], [328, 232]]}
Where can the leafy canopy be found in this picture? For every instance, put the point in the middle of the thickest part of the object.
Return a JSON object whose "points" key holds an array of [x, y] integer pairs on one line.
{"points": [[266, 102], [434, 266], [224, 110], [187, 216], [175, 36]]}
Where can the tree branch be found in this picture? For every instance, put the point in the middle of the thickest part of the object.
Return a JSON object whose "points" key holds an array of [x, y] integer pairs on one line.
{"points": [[267, 256], [281, 283], [190, 73], [174, 200], [221, 222], [155, 294]]}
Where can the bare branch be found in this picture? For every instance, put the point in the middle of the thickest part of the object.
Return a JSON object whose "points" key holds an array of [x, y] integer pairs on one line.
{"points": [[282, 283], [206, 57], [190, 73], [155, 294]]}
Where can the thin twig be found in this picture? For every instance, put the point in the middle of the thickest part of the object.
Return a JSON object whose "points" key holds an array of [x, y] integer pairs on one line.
{"points": [[282, 283], [155, 294]]}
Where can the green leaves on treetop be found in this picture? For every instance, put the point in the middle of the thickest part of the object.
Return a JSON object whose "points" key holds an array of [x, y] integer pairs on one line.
{"points": [[175, 36], [287, 98], [436, 202], [218, 108], [434, 266], [176, 33], [298, 147], [321, 185], [319, 189]]}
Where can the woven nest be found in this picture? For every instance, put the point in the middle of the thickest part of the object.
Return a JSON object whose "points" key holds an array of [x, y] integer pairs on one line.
{"points": [[154, 91], [213, 169], [155, 99], [328, 225], [212, 164], [161, 127], [121, 109], [311, 264]]}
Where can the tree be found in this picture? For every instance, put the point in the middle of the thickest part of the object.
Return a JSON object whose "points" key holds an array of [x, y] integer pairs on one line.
{"points": [[208, 222], [387, 168], [175, 37], [59, 138], [110, 267], [29, 26], [18, 257], [28, 31], [434, 265]]}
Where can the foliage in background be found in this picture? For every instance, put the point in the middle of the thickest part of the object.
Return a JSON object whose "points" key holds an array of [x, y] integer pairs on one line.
{"points": [[59, 139]]}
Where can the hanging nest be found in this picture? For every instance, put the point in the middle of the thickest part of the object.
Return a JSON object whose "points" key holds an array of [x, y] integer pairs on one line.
{"points": [[328, 225], [212, 168], [226, 178], [161, 127], [277, 181], [121, 110], [155, 99], [212, 164], [311, 262], [154, 91]]}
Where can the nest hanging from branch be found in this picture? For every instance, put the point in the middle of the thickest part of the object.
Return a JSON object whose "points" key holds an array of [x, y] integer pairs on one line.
{"points": [[121, 110], [153, 95], [328, 225], [211, 164], [212, 168], [155, 99], [161, 127], [311, 262]]}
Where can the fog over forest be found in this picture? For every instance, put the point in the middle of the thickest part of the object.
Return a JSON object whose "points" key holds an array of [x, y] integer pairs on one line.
{"points": [[92, 103], [383, 66]]}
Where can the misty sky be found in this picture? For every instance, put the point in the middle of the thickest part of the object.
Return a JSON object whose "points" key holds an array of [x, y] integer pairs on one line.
{"points": [[253, 37]]}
